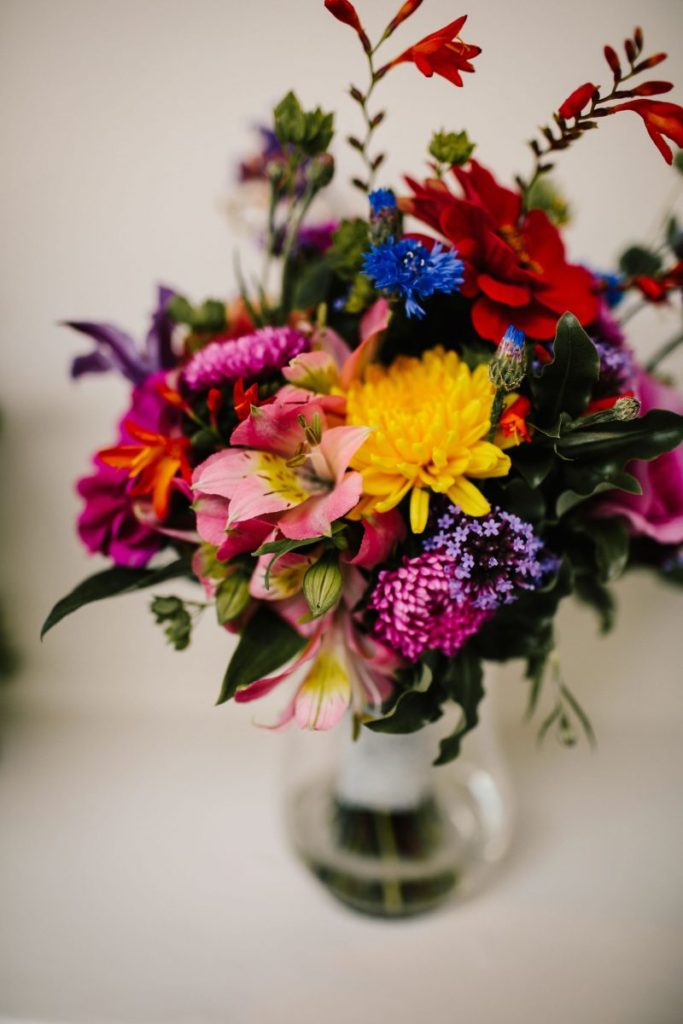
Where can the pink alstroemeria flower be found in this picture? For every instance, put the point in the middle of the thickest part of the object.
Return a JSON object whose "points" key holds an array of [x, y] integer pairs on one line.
{"points": [[346, 669], [287, 466]]}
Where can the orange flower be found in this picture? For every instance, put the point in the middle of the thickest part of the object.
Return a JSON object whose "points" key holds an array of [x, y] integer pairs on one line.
{"points": [[512, 425], [660, 119], [442, 53], [152, 464]]}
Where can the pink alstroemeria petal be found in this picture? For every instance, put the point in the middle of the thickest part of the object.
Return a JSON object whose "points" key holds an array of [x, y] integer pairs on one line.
{"points": [[338, 446], [212, 517], [314, 517], [381, 532], [243, 538], [374, 322]]}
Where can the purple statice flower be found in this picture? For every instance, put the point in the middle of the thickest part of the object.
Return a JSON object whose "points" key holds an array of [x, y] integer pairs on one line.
{"points": [[407, 268], [117, 350], [416, 609], [489, 560], [252, 356]]}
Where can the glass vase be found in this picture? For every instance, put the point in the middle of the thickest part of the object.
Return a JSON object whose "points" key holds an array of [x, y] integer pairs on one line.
{"points": [[385, 830]]}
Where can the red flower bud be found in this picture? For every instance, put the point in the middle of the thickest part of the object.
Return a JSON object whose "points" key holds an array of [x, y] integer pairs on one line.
{"points": [[345, 12], [650, 62], [408, 8], [652, 88], [579, 99], [613, 61]]}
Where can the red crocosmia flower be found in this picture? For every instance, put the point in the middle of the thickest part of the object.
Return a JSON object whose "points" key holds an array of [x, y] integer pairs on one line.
{"points": [[152, 464], [243, 400], [214, 401], [441, 53], [408, 8], [172, 397], [661, 119], [580, 98], [515, 264], [656, 289]]}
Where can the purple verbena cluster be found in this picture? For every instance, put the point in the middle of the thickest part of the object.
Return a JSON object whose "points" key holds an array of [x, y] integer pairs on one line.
{"points": [[490, 558]]}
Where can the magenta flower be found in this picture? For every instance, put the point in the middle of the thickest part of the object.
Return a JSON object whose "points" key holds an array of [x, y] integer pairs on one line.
{"points": [[108, 523], [416, 609], [247, 358], [658, 511]]}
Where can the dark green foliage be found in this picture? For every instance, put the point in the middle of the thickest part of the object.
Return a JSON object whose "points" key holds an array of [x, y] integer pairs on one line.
{"points": [[566, 384], [310, 131], [171, 613], [266, 644], [209, 317], [111, 582], [637, 261]]}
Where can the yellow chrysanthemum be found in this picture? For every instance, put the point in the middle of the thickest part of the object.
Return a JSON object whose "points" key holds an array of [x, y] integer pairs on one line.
{"points": [[431, 417]]}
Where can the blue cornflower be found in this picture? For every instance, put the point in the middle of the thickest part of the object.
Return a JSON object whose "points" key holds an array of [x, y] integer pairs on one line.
{"points": [[382, 199], [611, 288], [407, 268]]}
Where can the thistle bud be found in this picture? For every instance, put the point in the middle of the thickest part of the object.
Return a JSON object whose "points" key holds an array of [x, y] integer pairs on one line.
{"points": [[508, 366], [627, 408], [322, 585]]}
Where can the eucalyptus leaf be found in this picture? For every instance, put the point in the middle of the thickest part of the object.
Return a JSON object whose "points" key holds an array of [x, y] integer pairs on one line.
{"points": [[645, 438]]}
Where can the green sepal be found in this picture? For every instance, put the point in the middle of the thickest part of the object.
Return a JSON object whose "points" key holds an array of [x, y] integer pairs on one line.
{"points": [[266, 644], [110, 583]]}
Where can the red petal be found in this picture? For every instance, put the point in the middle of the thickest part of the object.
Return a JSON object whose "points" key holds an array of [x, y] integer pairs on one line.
{"points": [[499, 291]]}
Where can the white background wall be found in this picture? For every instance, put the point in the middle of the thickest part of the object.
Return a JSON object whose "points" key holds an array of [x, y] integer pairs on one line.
{"points": [[121, 124]]}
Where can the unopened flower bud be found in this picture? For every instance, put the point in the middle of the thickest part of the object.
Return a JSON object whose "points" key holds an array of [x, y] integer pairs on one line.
{"points": [[508, 366], [232, 597], [626, 408], [322, 585], [321, 171]]}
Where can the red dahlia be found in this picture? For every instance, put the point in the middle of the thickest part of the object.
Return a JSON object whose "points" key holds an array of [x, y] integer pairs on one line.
{"points": [[515, 265]]}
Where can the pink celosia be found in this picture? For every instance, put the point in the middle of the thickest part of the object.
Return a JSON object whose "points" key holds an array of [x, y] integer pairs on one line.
{"points": [[251, 356]]}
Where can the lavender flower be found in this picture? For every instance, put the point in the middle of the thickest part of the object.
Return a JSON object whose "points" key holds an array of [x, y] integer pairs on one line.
{"points": [[417, 611], [408, 269], [249, 357], [490, 559]]}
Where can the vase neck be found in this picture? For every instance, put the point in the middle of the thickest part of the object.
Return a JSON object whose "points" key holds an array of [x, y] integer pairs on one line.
{"points": [[380, 771]]}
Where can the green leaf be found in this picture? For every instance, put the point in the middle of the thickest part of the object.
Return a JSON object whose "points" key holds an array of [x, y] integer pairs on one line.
{"points": [[349, 242], [110, 583], [637, 261], [595, 594], [523, 500], [566, 384], [464, 684], [595, 480], [267, 643], [678, 161], [644, 438], [290, 121], [412, 711], [174, 616], [209, 317], [533, 462], [611, 541], [453, 148], [312, 285]]}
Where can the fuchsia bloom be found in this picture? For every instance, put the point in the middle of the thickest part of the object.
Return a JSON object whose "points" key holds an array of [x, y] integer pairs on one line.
{"points": [[249, 357], [417, 611], [291, 468]]}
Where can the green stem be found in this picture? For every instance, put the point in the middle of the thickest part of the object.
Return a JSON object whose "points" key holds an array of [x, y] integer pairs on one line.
{"points": [[386, 842]]}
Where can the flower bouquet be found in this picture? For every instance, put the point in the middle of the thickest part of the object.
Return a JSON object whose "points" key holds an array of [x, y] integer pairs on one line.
{"points": [[394, 465]]}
